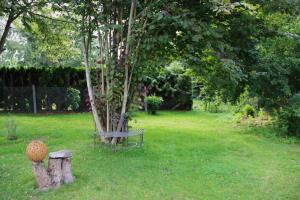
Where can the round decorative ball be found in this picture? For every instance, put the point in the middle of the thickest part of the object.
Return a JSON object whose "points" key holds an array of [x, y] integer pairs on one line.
{"points": [[36, 151]]}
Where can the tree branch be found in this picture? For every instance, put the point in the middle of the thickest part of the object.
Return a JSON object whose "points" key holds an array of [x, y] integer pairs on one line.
{"points": [[51, 18]]}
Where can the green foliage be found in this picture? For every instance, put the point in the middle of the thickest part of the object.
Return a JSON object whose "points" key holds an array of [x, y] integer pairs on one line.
{"points": [[73, 98], [12, 10], [51, 44], [261, 114], [212, 106], [11, 128], [153, 103], [274, 78], [248, 110], [211, 101], [246, 100], [222, 76], [171, 82], [50, 77], [228, 44], [275, 81], [14, 54], [289, 116]]}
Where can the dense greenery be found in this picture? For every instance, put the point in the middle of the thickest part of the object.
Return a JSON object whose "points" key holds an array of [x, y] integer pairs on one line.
{"points": [[16, 86], [39, 76], [73, 98], [289, 116], [230, 46], [171, 82], [36, 38], [255, 48], [153, 103], [248, 110], [186, 155], [241, 56]]}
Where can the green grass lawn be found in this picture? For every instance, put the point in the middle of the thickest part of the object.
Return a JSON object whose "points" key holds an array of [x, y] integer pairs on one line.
{"points": [[187, 155]]}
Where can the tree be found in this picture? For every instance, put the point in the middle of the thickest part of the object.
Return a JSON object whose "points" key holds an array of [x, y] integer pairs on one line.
{"points": [[117, 27], [126, 35], [278, 58], [12, 9], [52, 43]]}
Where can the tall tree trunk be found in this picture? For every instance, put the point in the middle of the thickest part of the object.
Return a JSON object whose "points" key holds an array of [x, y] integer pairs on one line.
{"points": [[107, 71], [125, 91], [5, 33], [90, 87]]}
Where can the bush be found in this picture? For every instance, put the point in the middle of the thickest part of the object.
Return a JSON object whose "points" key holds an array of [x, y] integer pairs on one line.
{"points": [[246, 99], [249, 110], [73, 98], [153, 103], [11, 127], [289, 116], [172, 82]]}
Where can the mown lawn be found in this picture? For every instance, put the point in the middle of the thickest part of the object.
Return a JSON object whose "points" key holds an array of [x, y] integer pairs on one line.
{"points": [[187, 155]]}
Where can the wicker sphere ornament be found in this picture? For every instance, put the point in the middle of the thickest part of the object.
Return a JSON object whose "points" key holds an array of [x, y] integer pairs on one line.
{"points": [[36, 151]]}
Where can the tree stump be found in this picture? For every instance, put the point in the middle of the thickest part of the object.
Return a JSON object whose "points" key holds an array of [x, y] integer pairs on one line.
{"points": [[55, 171], [41, 174], [67, 171], [59, 170]]}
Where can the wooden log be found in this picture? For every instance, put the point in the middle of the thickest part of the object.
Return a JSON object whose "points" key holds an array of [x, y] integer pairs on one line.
{"points": [[67, 171], [66, 166], [41, 174], [55, 171]]}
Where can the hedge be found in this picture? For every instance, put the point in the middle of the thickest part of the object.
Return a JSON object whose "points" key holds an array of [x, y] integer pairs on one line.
{"points": [[51, 88], [52, 83]]}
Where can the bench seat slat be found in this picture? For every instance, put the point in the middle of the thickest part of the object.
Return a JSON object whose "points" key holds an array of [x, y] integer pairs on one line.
{"points": [[121, 134]]}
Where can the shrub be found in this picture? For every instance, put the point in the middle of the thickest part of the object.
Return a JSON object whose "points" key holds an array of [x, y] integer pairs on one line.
{"points": [[153, 103], [73, 98], [11, 127], [245, 99], [261, 114], [238, 117], [197, 104], [249, 110], [289, 116], [172, 82]]}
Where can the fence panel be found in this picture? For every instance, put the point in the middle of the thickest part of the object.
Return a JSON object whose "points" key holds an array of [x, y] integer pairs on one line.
{"points": [[47, 99]]}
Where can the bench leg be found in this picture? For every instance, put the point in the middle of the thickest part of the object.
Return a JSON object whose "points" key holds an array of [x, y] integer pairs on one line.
{"points": [[113, 147]]}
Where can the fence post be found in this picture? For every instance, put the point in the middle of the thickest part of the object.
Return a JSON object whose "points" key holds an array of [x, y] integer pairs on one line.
{"points": [[34, 99]]}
